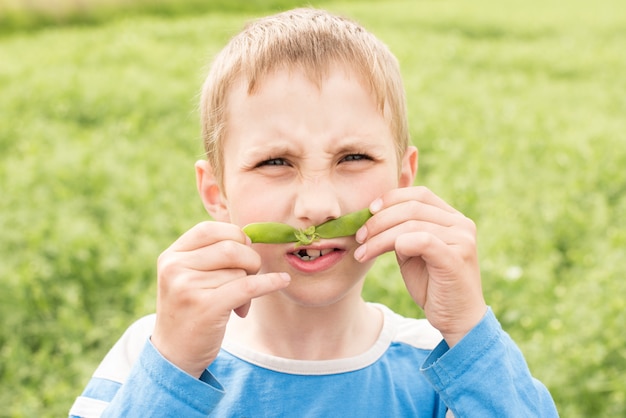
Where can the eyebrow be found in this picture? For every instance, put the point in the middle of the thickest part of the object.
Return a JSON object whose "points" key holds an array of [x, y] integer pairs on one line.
{"points": [[253, 154], [343, 145], [367, 143], [272, 147]]}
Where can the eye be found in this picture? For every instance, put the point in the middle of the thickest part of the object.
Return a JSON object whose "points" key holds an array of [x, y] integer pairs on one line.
{"points": [[356, 157], [273, 162]]}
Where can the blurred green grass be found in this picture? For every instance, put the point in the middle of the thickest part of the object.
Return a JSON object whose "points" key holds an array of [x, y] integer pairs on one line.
{"points": [[517, 109], [31, 15]]}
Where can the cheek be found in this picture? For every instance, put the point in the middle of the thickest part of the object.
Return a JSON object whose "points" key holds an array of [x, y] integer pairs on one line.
{"points": [[368, 188], [255, 202]]}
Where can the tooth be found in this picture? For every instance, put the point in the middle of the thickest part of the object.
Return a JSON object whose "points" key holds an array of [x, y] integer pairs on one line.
{"points": [[313, 253]]}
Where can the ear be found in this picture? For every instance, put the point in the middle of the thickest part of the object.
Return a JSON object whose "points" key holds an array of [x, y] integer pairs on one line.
{"points": [[409, 167], [210, 192]]}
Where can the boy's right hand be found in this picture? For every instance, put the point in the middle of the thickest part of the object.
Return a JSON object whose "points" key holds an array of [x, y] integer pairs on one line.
{"points": [[202, 277]]}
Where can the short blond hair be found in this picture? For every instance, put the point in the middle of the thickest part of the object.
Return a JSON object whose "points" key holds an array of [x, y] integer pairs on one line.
{"points": [[310, 40]]}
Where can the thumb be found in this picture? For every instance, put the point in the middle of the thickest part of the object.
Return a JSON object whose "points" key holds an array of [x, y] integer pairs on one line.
{"points": [[237, 294], [242, 311]]}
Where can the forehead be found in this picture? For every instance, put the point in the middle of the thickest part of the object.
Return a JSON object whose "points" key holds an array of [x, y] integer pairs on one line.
{"points": [[295, 92], [284, 78], [289, 114]]}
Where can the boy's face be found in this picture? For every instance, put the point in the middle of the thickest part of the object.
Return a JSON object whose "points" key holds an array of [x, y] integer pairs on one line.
{"points": [[300, 154]]}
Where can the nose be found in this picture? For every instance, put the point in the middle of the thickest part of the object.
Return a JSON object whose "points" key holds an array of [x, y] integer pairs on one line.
{"points": [[316, 201]]}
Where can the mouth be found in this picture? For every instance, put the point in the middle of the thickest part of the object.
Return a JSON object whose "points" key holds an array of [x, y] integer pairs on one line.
{"points": [[310, 254], [315, 259]]}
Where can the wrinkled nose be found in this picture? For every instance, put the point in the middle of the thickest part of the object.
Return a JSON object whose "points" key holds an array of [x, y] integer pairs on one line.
{"points": [[316, 201]]}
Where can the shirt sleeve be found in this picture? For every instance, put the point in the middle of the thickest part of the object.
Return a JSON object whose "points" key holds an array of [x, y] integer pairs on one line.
{"points": [[485, 375], [151, 387]]}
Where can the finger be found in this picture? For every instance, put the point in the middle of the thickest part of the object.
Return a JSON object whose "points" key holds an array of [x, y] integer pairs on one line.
{"points": [[236, 294], [215, 279], [242, 311], [207, 233], [385, 241], [226, 254], [435, 253], [417, 193], [207, 267], [407, 211]]}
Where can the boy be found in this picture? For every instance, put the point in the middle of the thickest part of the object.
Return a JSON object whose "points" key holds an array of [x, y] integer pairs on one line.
{"points": [[304, 121]]}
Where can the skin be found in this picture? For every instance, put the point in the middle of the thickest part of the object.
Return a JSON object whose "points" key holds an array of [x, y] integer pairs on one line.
{"points": [[304, 164]]}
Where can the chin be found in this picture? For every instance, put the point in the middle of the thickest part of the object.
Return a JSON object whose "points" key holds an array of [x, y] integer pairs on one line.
{"points": [[311, 293]]}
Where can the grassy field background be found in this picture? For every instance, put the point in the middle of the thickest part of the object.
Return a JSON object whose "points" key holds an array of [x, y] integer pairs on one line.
{"points": [[518, 109]]}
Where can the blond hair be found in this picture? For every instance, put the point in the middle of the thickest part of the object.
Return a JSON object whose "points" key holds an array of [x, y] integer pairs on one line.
{"points": [[310, 40]]}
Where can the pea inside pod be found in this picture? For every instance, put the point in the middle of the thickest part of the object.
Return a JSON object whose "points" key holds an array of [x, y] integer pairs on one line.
{"points": [[279, 233]]}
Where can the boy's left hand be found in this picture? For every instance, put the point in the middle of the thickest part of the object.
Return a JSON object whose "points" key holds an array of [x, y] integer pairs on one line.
{"points": [[436, 249]]}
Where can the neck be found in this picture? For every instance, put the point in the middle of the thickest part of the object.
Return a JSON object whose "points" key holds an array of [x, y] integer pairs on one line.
{"points": [[275, 326]]}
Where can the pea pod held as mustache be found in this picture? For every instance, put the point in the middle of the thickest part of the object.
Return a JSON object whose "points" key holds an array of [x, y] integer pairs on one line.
{"points": [[279, 233]]}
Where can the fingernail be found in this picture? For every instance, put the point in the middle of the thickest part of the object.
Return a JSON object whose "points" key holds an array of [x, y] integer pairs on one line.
{"points": [[285, 276], [376, 205], [359, 253], [361, 234]]}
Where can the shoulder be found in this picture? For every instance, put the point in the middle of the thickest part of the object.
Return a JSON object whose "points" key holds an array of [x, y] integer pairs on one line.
{"points": [[137, 333], [418, 333], [143, 326], [119, 360]]}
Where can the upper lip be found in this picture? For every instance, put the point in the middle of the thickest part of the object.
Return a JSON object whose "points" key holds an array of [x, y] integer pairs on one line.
{"points": [[316, 246]]}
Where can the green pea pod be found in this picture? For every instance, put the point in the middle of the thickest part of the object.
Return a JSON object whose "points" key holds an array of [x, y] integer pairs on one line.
{"points": [[343, 226], [271, 232], [279, 233]]}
